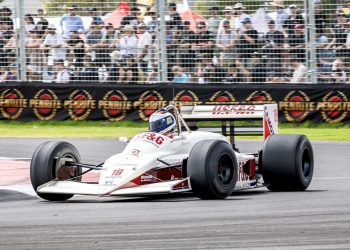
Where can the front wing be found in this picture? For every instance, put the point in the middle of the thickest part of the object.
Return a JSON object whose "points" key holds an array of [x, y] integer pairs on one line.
{"points": [[73, 187]]}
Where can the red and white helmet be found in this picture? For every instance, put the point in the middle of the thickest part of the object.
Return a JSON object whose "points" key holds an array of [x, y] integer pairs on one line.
{"points": [[162, 122]]}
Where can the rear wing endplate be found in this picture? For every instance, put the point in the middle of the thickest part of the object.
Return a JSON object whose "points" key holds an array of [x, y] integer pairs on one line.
{"points": [[267, 114]]}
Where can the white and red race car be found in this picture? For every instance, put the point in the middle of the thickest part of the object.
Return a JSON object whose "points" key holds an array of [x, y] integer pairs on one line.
{"points": [[201, 161]]}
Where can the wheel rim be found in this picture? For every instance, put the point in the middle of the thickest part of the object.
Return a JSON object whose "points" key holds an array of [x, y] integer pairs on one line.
{"points": [[67, 172], [306, 162], [225, 170]]}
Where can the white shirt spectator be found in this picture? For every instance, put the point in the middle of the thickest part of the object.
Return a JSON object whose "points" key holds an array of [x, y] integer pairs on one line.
{"points": [[62, 76], [300, 74], [53, 40], [144, 40], [128, 45]]}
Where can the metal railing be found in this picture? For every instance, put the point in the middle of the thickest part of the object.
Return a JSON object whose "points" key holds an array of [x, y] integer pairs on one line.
{"points": [[150, 41]]}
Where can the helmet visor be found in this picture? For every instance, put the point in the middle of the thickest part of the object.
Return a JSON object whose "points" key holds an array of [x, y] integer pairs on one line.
{"points": [[158, 125]]}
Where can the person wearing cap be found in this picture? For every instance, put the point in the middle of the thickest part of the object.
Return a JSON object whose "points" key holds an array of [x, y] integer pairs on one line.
{"points": [[214, 20], [152, 24], [226, 42], [228, 16], [293, 19], [203, 40], [144, 53], [71, 21], [240, 14], [273, 47], [296, 41], [95, 16], [55, 44], [281, 13], [62, 75], [131, 18], [185, 53], [42, 23], [174, 16], [76, 49], [248, 40], [127, 44]]}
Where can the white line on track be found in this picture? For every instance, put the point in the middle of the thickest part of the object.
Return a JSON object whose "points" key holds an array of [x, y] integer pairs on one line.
{"points": [[331, 178], [15, 159]]}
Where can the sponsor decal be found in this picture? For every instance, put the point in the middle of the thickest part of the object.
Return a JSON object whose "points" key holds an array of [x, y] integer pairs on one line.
{"points": [[259, 97], [148, 103], [12, 103], [222, 97], [242, 176], [268, 123], [334, 107], [296, 106], [114, 105], [134, 152], [233, 109], [79, 104], [154, 138], [147, 178], [45, 104], [186, 97], [117, 173]]}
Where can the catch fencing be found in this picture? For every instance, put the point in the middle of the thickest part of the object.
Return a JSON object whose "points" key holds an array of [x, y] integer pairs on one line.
{"points": [[180, 41]]}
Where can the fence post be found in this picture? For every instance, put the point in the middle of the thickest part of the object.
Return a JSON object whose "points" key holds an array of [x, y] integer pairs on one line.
{"points": [[311, 38], [162, 52], [20, 32]]}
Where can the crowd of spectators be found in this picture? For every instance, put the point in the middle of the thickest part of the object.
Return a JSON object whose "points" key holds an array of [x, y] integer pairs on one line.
{"points": [[227, 48]]}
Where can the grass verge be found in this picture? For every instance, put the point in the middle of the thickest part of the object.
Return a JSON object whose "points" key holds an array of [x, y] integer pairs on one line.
{"points": [[104, 129]]}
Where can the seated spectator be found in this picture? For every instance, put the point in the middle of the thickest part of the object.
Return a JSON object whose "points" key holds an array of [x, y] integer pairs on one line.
{"points": [[203, 42], [241, 15], [339, 70], [296, 42], [55, 44], [93, 40], [228, 16], [208, 72], [248, 40], [42, 23], [95, 16], [214, 20], [237, 73], [339, 31], [300, 71], [324, 72], [153, 24], [131, 18], [293, 19], [174, 16], [144, 45], [128, 72], [226, 42], [6, 14], [186, 56], [273, 48], [179, 75], [29, 23], [281, 14], [322, 43], [88, 72], [62, 75], [106, 46], [34, 56], [258, 69], [71, 21], [9, 73], [5, 29], [128, 42], [76, 49]]}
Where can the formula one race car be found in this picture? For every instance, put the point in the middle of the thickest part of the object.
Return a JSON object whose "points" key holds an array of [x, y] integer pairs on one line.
{"points": [[193, 158]]}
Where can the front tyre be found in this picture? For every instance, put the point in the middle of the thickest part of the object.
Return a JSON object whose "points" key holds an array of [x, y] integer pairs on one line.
{"points": [[287, 162], [45, 166], [212, 168]]}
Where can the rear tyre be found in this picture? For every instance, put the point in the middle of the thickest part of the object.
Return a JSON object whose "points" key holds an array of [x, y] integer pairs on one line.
{"points": [[287, 162], [44, 167], [212, 168]]}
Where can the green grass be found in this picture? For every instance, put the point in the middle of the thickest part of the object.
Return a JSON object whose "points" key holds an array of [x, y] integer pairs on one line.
{"points": [[104, 129]]}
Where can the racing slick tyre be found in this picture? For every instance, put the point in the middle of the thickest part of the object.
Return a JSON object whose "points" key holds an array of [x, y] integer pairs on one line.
{"points": [[287, 162], [212, 168], [44, 166]]}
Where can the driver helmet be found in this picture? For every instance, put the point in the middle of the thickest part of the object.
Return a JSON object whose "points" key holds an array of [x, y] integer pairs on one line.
{"points": [[162, 122]]}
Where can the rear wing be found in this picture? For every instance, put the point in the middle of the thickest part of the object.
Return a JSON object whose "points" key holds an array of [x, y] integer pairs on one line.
{"points": [[266, 115]]}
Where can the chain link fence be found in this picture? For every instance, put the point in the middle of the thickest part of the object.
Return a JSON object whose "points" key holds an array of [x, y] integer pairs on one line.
{"points": [[199, 42]]}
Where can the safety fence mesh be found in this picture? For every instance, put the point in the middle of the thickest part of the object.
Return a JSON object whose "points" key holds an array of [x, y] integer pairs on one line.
{"points": [[200, 42]]}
